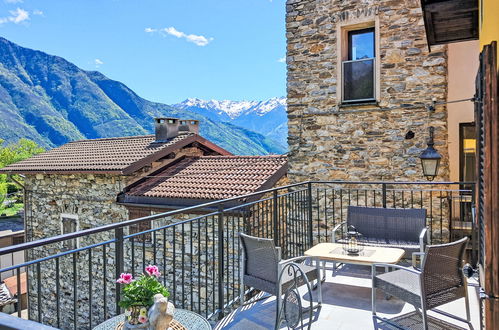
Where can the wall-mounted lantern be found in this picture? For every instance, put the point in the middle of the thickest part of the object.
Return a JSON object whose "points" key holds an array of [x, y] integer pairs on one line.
{"points": [[430, 159]]}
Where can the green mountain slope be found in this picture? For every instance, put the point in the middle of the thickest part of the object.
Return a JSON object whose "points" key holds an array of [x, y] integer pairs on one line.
{"points": [[51, 101]]}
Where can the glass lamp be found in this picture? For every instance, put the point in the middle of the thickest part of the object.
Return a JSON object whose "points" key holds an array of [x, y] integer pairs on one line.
{"points": [[352, 241], [430, 159]]}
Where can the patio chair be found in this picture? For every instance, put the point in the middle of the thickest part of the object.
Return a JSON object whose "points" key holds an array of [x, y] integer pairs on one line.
{"points": [[262, 269], [439, 281]]}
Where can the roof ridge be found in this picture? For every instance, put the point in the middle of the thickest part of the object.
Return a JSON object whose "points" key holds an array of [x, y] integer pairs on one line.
{"points": [[245, 156], [126, 138]]}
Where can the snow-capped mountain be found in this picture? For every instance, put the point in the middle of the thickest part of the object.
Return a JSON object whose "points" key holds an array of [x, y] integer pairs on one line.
{"points": [[265, 117]]}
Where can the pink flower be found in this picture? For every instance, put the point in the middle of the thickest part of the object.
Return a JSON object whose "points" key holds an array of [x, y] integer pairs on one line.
{"points": [[142, 319], [125, 278], [153, 270]]}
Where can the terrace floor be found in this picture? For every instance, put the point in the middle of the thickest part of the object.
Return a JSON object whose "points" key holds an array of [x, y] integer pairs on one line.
{"points": [[347, 305]]}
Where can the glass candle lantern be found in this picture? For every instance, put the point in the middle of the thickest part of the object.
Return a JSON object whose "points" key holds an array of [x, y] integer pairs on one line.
{"points": [[352, 241]]}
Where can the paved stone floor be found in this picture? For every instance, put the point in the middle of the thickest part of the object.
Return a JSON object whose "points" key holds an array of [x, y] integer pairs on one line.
{"points": [[347, 305]]}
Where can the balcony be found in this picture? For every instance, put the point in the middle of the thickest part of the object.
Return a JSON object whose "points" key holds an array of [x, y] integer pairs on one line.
{"points": [[198, 252]]}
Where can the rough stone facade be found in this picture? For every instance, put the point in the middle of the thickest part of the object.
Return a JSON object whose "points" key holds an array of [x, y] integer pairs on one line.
{"points": [[90, 196], [187, 254], [331, 141]]}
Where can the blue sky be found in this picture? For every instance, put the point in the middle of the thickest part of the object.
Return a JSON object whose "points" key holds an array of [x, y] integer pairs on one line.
{"points": [[165, 50]]}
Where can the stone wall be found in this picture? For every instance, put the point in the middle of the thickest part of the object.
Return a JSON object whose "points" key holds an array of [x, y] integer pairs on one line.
{"points": [[185, 250], [90, 196], [93, 199], [330, 141]]}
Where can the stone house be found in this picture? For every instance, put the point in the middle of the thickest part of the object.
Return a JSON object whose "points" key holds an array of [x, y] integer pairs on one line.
{"points": [[361, 80], [90, 183]]}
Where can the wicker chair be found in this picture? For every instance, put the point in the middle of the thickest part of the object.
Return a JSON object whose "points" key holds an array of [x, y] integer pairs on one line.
{"points": [[439, 281], [261, 268], [397, 228]]}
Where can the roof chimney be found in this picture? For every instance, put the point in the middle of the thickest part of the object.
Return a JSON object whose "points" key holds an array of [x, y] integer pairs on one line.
{"points": [[189, 125], [165, 129]]}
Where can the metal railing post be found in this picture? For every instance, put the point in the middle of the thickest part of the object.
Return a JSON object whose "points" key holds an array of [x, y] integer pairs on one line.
{"points": [[275, 219], [119, 260], [383, 188], [309, 208], [220, 275]]}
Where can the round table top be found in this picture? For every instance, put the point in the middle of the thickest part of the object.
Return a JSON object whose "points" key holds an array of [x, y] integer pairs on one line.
{"points": [[188, 319]]}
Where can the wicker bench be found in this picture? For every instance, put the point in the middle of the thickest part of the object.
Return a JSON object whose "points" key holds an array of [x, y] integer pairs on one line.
{"points": [[399, 228]]}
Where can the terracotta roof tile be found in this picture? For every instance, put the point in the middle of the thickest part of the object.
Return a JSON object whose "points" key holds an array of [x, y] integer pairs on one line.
{"points": [[211, 177], [98, 155]]}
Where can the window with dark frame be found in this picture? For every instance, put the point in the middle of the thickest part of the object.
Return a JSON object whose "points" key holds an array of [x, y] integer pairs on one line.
{"points": [[359, 67], [467, 171], [467, 152]]}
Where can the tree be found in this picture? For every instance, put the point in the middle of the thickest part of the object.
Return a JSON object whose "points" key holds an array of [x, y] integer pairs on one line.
{"points": [[11, 154], [16, 152]]}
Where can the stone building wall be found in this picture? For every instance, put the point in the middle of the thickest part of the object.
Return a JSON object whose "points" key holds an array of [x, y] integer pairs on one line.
{"points": [[192, 246], [90, 196], [330, 141]]}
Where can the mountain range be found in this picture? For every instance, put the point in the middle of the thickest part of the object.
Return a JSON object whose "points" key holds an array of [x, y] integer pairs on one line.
{"points": [[268, 118], [47, 99]]}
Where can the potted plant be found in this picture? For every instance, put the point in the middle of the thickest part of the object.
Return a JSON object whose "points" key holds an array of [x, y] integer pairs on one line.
{"points": [[137, 296]]}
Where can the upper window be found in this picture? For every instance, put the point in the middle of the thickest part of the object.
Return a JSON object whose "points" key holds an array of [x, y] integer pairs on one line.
{"points": [[359, 67]]}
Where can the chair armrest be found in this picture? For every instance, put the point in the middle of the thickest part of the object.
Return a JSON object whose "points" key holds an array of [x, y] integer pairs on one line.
{"points": [[297, 259], [422, 235], [414, 257], [335, 229], [409, 269]]}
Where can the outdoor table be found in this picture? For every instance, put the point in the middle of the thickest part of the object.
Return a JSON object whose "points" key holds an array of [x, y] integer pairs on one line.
{"points": [[370, 255], [188, 319]]}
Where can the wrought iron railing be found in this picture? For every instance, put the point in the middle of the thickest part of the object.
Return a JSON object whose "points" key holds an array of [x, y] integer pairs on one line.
{"points": [[197, 248]]}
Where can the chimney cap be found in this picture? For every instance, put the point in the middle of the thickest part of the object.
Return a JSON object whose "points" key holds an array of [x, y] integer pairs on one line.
{"points": [[171, 120], [189, 121], [166, 128]]}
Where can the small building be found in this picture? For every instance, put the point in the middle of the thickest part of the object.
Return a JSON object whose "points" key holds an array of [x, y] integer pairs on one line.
{"points": [[89, 183]]}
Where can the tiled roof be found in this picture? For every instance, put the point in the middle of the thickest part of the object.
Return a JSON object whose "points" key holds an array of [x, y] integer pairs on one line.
{"points": [[212, 178], [117, 155]]}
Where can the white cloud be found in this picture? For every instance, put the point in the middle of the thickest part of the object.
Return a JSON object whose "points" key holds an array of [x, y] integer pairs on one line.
{"points": [[98, 62], [16, 16], [13, 1], [282, 59], [37, 12], [198, 40], [19, 15]]}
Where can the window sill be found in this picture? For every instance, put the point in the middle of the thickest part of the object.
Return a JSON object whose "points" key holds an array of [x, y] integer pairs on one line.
{"points": [[358, 104]]}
